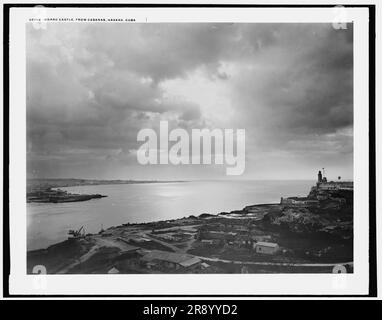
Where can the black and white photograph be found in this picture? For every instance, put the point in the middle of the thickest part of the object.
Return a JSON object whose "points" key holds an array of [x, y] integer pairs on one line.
{"points": [[191, 144], [94, 208]]}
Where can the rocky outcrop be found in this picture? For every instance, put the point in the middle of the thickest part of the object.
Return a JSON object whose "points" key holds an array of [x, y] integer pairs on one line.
{"points": [[299, 220], [304, 221]]}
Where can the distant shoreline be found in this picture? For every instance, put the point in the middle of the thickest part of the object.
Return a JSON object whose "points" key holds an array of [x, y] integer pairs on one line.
{"points": [[69, 182]]}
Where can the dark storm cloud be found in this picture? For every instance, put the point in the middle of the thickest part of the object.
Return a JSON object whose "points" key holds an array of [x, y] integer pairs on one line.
{"points": [[305, 80], [162, 51], [90, 88]]}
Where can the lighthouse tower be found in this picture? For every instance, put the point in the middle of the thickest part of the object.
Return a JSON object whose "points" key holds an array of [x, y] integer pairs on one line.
{"points": [[319, 177]]}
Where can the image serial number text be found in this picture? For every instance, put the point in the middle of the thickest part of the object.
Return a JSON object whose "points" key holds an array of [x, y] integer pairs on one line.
{"points": [[191, 309]]}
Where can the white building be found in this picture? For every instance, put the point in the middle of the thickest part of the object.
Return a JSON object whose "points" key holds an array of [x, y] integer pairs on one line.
{"points": [[332, 186], [266, 247]]}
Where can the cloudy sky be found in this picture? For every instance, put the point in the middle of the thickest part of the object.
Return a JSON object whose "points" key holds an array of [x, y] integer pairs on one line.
{"points": [[92, 87]]}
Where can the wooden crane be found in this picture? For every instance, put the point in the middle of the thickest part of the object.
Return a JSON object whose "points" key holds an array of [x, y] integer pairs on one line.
{"points": [[80, 233]]}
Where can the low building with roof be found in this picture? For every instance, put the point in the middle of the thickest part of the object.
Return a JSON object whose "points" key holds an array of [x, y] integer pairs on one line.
{"points": [[170, 260], [211, 242], [299, 202], [217, 235], [128, 258], [266, 247], [113, 271]]}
